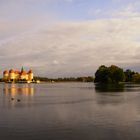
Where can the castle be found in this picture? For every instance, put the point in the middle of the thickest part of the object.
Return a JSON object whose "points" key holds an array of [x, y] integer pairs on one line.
{"points": [[15, 75]]}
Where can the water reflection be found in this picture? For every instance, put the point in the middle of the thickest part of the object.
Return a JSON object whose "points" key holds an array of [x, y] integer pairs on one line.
{"points": [[109, 87], [15, 89], [69, 111], [17, 95]]}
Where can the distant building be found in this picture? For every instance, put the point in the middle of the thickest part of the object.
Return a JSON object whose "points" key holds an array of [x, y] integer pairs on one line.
{"points": [[15, 75]]}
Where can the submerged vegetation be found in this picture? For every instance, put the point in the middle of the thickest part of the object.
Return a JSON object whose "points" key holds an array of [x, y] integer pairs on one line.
{"points": [[115, 75]]}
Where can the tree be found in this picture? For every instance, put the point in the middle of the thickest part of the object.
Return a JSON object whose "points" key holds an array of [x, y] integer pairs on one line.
{"points": [[89, 79], [129, 75], [102, 75], [116, 74], [136, 78], [112, 74]]}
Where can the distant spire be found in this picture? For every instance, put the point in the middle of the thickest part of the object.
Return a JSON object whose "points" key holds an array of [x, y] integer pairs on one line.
{"points": [[22, 69]]}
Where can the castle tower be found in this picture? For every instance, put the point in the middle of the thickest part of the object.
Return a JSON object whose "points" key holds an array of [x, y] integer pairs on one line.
{"points": [[23, 75], [30, 75], [11, 74], [17, 74], [22, 69], [5, 75]]}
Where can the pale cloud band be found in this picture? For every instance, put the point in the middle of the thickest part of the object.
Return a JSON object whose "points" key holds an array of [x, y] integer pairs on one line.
{"points": [[70, 48], [67, 48]]}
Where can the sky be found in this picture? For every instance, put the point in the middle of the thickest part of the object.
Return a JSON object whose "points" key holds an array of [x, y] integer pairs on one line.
{"points": [[66, 38]]}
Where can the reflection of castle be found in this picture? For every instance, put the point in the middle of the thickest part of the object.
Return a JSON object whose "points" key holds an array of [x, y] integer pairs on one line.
{"points": [[14, 89], [22, 75]]}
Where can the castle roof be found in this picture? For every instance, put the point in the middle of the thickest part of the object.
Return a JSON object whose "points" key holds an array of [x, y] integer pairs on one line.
{"points": [[17, 72], [30, 71], [23, 73], [5, 72], [11, 71]]}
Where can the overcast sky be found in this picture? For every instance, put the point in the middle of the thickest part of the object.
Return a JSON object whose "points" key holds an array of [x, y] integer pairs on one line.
{"points": [[58, 38]]}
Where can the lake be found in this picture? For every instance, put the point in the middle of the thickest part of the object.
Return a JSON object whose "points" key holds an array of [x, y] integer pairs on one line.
{"points": [[69, 111]]}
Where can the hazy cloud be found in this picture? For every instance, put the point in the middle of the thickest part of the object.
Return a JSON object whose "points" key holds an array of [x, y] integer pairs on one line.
{"points": [[75, 48]]}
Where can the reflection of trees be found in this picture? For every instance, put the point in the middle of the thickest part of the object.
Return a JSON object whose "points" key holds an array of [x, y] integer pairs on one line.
{"points": [[109, 87], [105, 94]]}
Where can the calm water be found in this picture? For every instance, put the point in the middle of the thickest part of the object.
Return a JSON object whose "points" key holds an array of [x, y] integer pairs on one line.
{"points": [[69, 111]]}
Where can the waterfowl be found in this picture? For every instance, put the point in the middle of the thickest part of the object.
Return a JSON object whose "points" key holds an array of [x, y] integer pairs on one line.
{"points": [[18, 100]]}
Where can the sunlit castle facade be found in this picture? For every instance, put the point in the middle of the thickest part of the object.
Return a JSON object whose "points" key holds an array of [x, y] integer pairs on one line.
{"points": [[15, 75]]}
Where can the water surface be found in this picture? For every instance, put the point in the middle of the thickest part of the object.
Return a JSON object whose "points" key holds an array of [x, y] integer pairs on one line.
{"points": [[69, 111]]}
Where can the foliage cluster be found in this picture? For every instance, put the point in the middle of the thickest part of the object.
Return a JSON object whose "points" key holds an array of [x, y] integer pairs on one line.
{"points": [[115, 74], [112, 74]]}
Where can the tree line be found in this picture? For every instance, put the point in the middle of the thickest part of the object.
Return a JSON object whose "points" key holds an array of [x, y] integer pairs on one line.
{"points": [[115, 74], [66, 79]]}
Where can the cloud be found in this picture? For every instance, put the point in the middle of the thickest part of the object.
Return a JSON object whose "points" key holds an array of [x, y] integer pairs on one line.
{"points": [[74, 48], [116, 9], [129, 11]]}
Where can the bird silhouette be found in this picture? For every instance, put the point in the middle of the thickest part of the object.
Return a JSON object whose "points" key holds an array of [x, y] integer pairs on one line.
{"points": [[18, 100]]}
